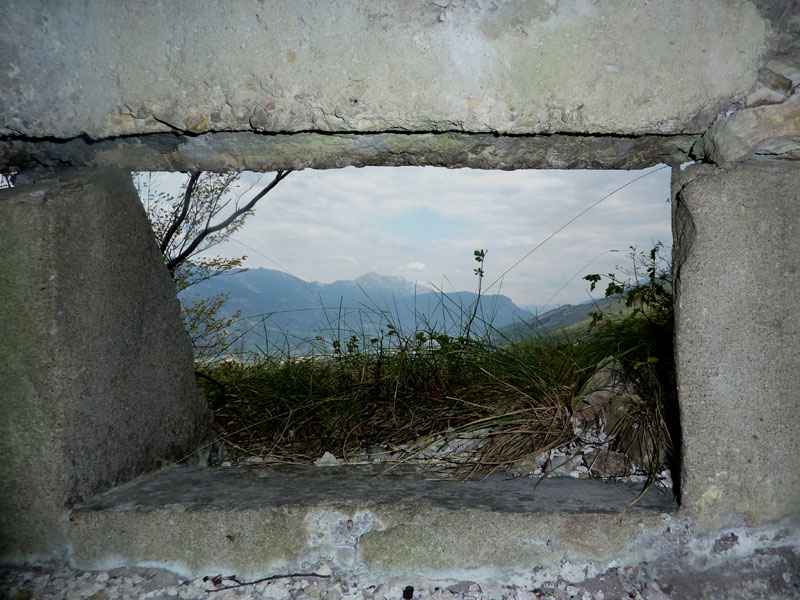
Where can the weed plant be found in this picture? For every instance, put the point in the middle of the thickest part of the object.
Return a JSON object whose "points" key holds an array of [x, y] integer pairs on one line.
{"points": [[642, 341], [421, 392]]}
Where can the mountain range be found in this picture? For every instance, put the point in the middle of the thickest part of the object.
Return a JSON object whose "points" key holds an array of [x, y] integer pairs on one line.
{"points": [[280, 310], [561, 317]]}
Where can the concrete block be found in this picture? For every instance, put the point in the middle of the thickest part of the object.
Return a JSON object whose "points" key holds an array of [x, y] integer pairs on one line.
{"points": [[96, 369], [515, 67], [737, 235]]}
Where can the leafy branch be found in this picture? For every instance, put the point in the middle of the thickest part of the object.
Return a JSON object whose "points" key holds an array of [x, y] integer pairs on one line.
{"points": [[210, 207]]}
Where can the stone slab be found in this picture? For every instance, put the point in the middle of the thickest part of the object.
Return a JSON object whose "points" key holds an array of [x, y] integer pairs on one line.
{"points": [[764, 130], [103, 69], [262, 486], [262, 520]]}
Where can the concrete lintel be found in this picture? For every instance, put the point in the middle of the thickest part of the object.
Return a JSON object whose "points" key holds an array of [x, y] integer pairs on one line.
{"points": [[129, 68], [261, 152]]}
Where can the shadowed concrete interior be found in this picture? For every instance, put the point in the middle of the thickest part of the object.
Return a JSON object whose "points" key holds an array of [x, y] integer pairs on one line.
{"points": [[98, 376]]}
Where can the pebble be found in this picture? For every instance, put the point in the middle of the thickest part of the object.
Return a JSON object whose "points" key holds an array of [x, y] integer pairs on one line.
{"points": [[324, 570]]}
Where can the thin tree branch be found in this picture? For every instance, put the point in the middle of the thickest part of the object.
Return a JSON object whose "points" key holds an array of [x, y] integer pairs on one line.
{"points": [[178, 221], [174, 262]]}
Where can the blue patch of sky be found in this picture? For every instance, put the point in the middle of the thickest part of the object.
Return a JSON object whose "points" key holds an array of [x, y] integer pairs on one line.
{"points": [[422, 223]]}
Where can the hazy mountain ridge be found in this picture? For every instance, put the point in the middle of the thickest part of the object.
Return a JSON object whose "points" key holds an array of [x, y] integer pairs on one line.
{"points": [[561, 317], [283, 306]]}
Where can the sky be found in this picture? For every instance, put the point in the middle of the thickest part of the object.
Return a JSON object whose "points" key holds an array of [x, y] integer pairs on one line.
{"points": [[424, 224]]}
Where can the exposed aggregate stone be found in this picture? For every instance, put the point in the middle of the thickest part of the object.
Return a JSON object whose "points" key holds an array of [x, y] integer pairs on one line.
{"points": [[737, 580], [57, 581]]}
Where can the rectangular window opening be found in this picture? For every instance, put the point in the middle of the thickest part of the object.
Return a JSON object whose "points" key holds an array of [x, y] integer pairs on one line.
{"points": [[486, 329]]}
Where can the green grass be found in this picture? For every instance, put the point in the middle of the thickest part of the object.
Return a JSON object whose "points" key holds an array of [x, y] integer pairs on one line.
{"points": [[408, 392], [413, 391]]}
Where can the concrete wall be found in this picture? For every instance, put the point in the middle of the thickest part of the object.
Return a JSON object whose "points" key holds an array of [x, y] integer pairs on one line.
{"points": [[738, 326], [96, 370], [508, 84]]}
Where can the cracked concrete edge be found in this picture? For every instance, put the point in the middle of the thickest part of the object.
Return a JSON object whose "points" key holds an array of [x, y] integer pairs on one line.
{"points": [[374, 539], [257, 152], [392, 540], [406, 543]]}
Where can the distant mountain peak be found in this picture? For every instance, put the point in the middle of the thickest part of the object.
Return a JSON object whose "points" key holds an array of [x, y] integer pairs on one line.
{"points": [[374, 280], [372, 276]]}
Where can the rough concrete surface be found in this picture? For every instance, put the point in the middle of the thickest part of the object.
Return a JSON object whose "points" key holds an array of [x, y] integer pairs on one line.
{"points": [[96, 368], [364, 520], [768, 573], [737, 329], [362, 533], [130, 68], [260, 152], [90, 400]]}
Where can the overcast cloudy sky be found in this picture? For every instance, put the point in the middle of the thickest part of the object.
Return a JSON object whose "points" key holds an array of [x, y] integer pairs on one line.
{"points": [[423, 224]]}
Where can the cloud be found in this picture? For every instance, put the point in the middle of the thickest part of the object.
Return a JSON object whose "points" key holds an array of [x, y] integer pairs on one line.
{"points": [[339, 224]]}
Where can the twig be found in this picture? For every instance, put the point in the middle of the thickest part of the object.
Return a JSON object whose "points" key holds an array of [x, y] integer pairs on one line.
{"points": [[263, 579]]}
